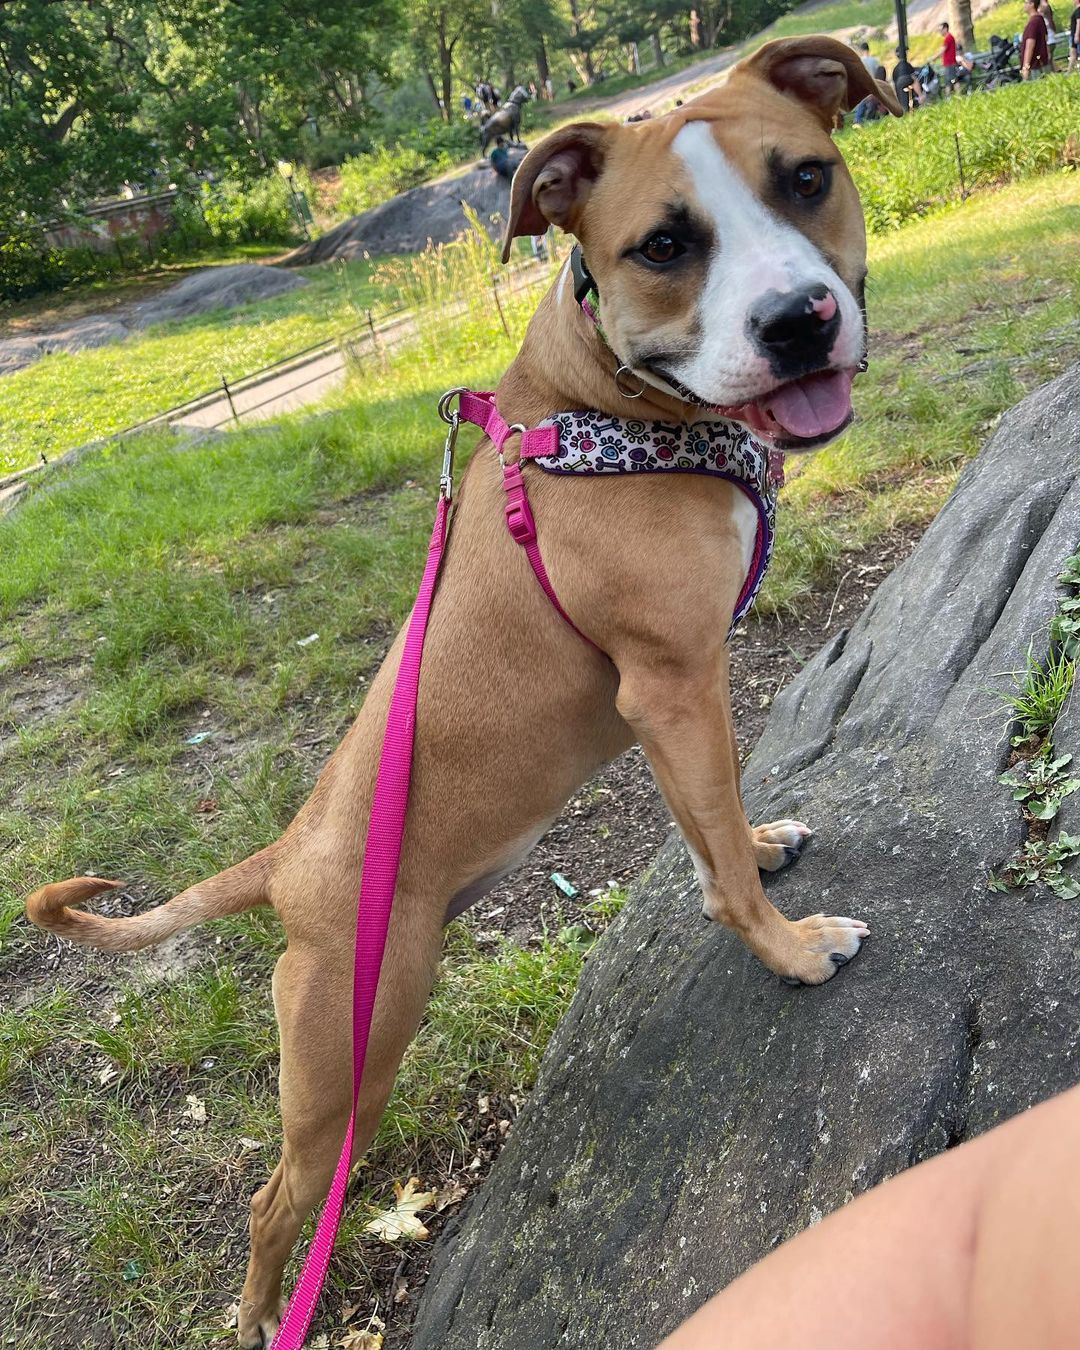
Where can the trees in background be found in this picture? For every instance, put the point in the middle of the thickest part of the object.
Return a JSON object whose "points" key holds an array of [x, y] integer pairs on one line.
{"points": [[96, 92], [960, 23]]}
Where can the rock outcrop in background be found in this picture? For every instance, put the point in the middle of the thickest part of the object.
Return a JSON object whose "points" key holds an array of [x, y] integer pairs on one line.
{"points": [[212, 288], [693, 1111], [408, 221]]}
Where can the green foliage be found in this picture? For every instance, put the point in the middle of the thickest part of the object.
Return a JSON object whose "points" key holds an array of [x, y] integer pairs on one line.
{"points": [[1041, 784], [28, 265], [98, 94], [1041, 693], [232, 212], [1042, 860], [1065, 625], [375, 177], [905, 168]]}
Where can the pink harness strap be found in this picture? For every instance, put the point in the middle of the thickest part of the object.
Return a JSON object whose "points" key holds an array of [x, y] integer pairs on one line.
{"points": [[480, 410]]}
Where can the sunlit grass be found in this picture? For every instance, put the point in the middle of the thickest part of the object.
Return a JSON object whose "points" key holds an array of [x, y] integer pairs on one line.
{"points": [[71, 398]]}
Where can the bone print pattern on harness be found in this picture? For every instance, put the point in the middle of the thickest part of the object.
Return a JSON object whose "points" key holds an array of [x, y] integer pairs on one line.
{"points": [[594, 443]]}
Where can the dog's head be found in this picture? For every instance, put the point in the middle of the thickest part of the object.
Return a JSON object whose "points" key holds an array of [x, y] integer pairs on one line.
{"points": [[726, 239]]}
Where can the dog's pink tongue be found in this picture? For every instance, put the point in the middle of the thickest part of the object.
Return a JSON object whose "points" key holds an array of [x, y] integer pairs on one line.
{"points": [[812, 406]]}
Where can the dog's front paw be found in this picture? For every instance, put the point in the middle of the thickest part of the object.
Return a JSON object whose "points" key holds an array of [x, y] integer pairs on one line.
{"points": [[779, 843], [823, 946], [255, 1330]]}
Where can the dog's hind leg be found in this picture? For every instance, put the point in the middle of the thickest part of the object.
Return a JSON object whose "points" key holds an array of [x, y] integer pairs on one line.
{"points": [[313, 999]]}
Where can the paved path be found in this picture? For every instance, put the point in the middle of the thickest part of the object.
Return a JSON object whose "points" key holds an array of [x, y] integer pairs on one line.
{"points": [[307, 380]]}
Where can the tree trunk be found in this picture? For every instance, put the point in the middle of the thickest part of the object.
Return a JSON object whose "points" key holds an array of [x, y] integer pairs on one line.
{"points": [[584, 64], [657, 50], [960, 24], [542, 68], [446, 71], [429, 80]]}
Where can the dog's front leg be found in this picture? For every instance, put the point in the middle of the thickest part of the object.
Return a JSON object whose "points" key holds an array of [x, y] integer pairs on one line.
{"points": [[682, 717]]}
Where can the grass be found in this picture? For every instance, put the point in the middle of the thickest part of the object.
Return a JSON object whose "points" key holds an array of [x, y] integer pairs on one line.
{"points": [[906, 168], [838, 16], [68, 399], [1040, 778], [155, 595]]}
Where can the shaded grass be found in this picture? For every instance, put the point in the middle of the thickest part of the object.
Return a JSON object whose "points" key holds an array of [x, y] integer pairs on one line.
{"points": [[831, 18], [168, 588]]}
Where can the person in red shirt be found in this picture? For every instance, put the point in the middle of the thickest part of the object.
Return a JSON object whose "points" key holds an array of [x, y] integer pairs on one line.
{"points": [[1034, 48], [948, 58]]}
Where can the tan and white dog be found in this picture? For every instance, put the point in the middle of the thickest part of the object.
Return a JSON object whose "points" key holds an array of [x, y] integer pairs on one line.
{"points": [[727, 245]]}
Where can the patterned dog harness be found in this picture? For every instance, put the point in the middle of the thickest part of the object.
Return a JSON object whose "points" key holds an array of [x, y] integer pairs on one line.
{"points": [[594, 444]]}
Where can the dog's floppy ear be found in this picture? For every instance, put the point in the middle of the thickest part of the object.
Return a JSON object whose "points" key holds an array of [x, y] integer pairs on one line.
{"points": [[822, 72], [554, 179]]}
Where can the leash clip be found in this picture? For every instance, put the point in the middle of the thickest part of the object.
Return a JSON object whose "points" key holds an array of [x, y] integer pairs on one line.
{"points": [[446, 478], [452, 418]]}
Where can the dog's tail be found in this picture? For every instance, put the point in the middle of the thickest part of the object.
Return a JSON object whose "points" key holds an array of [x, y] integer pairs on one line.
{"points": [[230, 892]]}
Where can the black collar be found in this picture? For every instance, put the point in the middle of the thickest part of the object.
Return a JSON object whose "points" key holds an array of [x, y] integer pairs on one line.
{"points": [[583, 278]]}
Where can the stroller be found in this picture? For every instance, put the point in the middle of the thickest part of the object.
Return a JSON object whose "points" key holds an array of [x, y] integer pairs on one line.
{"points": [[998, 65], [929, 83]]}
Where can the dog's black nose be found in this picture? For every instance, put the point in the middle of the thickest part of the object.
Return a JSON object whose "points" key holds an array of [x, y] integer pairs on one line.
{"points": [[795, 329]]}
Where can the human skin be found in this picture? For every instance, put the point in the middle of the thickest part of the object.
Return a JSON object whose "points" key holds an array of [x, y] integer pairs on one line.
{"points": [[978, 1249]]}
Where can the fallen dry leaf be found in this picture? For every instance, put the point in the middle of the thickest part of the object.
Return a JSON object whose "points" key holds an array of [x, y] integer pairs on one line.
{"points": [[390, 1225], [451, 1194], [361, 1340], [196, 1110]]}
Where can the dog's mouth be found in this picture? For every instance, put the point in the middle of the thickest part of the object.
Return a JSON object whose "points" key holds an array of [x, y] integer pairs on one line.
{"points": [[801, 414]]}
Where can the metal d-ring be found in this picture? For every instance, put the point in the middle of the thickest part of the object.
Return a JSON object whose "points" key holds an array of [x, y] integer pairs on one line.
{"points": [[452, 418], [521, 429], [447, 399], [629, 371]]}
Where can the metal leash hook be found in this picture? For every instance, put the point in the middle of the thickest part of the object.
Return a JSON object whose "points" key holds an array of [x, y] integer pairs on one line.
{"points": [[452, 418]]}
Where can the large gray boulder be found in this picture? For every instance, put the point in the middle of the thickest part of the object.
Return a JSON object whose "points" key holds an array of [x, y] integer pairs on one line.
{"points": [[692, 1110], [406, 223], [215, 288]]}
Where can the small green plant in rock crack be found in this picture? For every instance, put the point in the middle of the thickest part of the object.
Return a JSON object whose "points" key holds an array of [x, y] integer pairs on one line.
{"points": [[1065, 625], [1041, 784], [1040, 779], [1041, 860], [1041, 694]]}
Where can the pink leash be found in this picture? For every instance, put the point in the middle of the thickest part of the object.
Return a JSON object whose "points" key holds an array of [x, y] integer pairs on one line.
{"points": [[386, 827]]}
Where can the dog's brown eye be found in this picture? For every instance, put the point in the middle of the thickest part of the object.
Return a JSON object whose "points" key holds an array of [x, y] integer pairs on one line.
{"points": [[809, 180], [660, 248]]}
